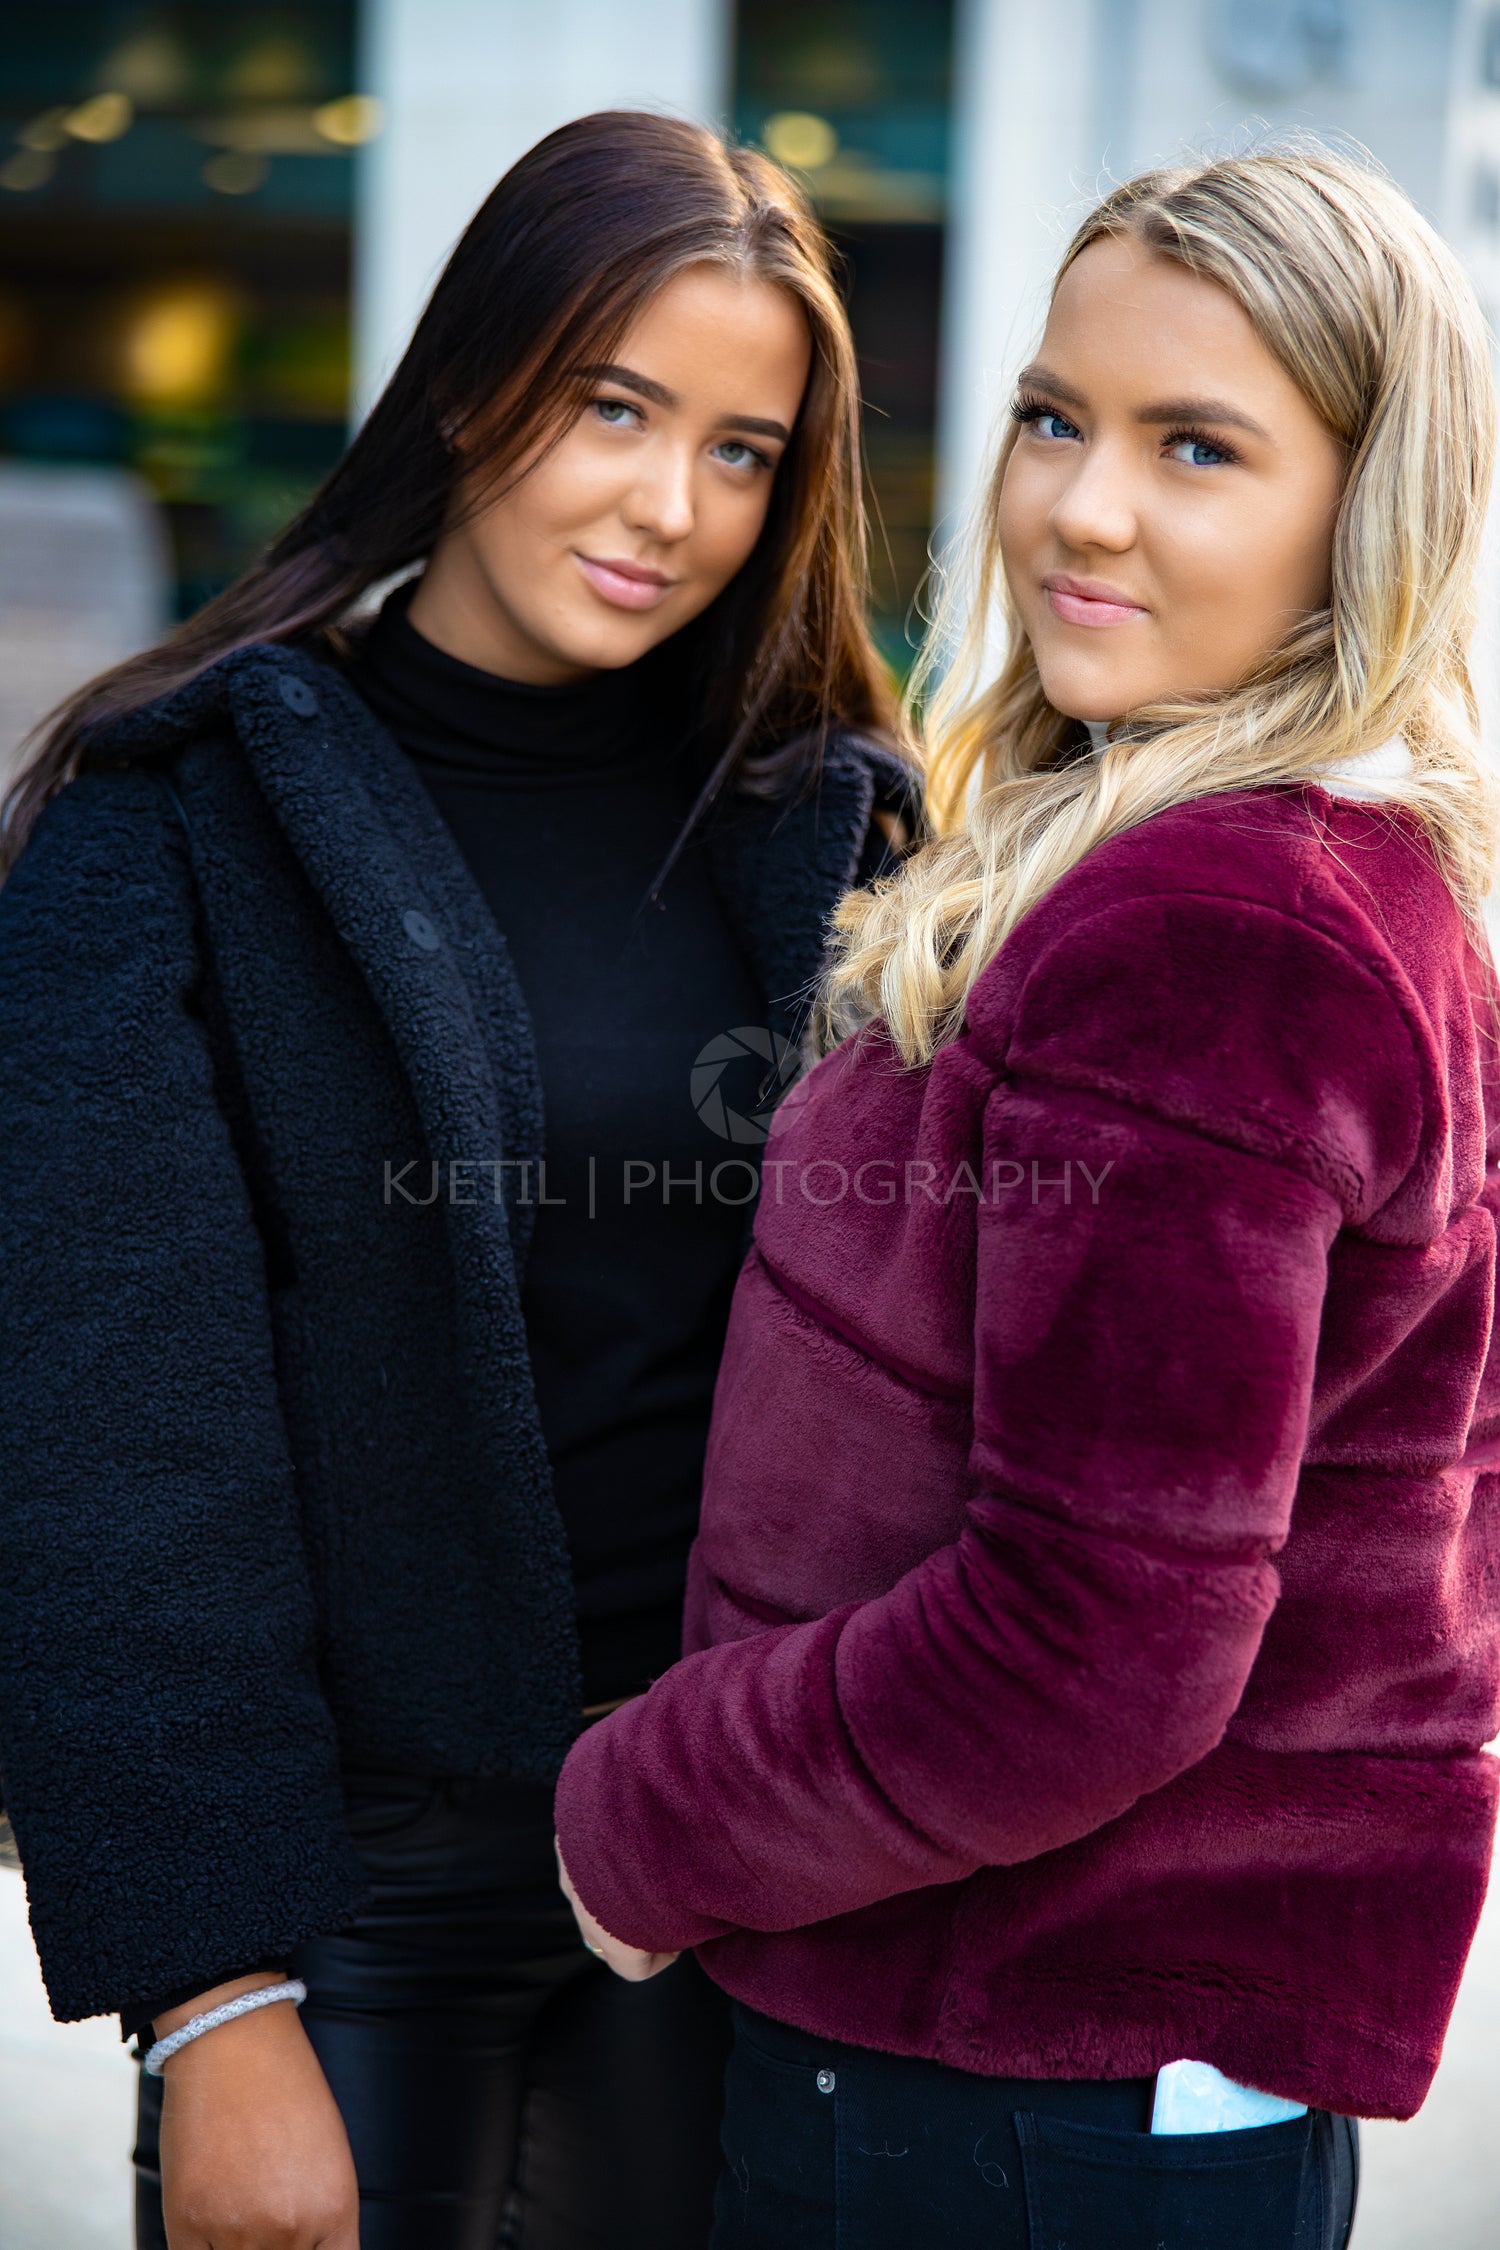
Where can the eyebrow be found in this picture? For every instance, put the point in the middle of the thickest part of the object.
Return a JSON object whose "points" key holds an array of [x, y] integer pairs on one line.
{"points": [[645, 386], [1160, 410]]}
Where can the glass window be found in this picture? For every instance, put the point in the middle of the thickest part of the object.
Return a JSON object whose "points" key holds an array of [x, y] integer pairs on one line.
{"points": [[854, 95], [176, 192], [1489, 49]]}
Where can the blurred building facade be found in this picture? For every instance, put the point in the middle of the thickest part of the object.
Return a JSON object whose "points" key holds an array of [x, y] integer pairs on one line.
{"points": [[176, 207], [218, 220]]}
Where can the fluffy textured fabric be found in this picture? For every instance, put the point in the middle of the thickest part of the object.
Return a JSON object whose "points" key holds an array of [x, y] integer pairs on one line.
{"points": [[274, 1494], [1094, 1623]]}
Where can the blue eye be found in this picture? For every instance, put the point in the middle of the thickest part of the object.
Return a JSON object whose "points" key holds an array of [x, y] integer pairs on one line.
{"points": [[1035, 413], [1197, 452]]}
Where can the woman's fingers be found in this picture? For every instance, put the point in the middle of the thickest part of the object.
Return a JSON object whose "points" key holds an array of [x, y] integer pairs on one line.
{"points": [[627, 1961]]}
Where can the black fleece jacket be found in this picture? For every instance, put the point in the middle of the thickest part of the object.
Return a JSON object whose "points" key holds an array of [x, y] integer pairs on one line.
{"points": [[273, 1495], [566, 802]]}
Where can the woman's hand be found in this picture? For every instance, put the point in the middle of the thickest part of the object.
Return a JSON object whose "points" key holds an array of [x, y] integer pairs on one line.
{"points": [[254, 2155], [627, 1961]]}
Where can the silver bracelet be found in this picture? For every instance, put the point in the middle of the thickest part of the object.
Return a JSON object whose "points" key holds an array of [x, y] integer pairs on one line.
{"points": [[292, 1989]]}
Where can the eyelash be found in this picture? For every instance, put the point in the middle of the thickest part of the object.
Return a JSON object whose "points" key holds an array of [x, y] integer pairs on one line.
{"points": [[1028, 408], [761, 460], [1189, 436]]}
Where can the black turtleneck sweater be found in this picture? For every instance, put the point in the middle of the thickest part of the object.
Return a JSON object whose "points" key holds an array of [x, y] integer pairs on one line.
{"points": [[566, 802]]}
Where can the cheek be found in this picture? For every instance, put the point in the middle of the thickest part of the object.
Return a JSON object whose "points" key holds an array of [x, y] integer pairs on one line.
{"points": [[729, 523], [1305, 559], [516, 536], [572, 487], [1021, 520], [1246, 569]]}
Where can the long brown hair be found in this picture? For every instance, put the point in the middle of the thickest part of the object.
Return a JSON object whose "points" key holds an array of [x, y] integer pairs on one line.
{"points": [[554, 266]]}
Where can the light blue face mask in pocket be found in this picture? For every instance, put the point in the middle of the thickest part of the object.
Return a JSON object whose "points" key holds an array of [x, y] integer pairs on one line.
{"points": [[1193, 2097]]}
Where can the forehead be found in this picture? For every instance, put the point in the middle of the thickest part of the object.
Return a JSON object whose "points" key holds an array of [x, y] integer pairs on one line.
{"points": [[1128, 320], [712, 324]]}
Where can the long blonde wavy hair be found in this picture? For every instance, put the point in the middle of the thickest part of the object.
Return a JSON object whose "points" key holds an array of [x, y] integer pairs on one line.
{"points": [[1373, 318]]}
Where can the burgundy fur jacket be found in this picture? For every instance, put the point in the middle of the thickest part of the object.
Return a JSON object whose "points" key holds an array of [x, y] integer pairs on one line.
{"points": [[1095, 1621]]}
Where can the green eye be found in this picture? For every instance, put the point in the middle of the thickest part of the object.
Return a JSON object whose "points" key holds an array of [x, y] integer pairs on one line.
{"points": [[737, 455], [613, 410]]}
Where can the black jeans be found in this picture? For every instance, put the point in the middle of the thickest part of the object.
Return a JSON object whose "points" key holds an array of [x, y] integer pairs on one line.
{"points": [[502, 2090], [829, 2147]]}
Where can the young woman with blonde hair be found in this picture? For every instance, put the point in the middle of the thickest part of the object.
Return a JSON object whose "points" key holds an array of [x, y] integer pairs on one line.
{"points": [[1077, 1774]]}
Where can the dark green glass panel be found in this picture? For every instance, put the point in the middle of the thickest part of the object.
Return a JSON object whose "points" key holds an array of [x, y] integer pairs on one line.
{"points": [[854, 95], [174, 256]]}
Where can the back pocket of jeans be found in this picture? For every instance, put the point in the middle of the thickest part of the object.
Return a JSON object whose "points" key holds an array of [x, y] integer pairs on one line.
{"points": [[1087, 2189]]}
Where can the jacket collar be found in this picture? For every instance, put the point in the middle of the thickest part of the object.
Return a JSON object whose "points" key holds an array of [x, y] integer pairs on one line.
{"points": [[377, 854], [395, 887], [781, 869], [376, 850]]}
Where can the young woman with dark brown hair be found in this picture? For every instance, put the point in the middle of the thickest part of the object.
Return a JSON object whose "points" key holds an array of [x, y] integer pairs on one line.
{"points": [[374, 1190]]}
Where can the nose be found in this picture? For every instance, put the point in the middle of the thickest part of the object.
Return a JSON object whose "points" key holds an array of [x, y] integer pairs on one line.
{"points": [[660, 502], [1097, 505]]}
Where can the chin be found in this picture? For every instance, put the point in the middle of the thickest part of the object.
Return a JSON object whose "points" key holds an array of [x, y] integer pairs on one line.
{"points": [[1079, 692], [602, 645], [602, 652]]}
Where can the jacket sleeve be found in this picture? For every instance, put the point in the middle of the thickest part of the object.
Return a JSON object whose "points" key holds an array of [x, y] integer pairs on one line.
{"points": [[168, 1760], [1151, 1271]]}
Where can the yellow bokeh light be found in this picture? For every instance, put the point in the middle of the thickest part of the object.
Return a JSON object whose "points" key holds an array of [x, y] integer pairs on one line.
{"points": [[268, 132], [104, 118], [177, 346], [798, 138], [152, 67], [351, 119], [236, 171], [275, 69], [29, 168], [45, 133]]}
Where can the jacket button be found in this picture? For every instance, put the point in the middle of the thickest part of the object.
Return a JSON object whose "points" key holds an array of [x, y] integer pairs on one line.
{"points": [[298, 697], [420, 931], [826, 2081]]}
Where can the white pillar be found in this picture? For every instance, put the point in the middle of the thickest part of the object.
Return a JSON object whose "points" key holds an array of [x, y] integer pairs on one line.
{"points": [[1470, 218], [467, 86], [1023, 166]]}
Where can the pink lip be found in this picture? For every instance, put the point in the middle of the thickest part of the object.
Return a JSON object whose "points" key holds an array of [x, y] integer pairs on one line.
{"points": [[1088, 601], [627, 585]]}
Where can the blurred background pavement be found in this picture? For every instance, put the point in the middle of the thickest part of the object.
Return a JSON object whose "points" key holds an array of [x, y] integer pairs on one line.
{"points": [[67, 2107], [217, 222]]}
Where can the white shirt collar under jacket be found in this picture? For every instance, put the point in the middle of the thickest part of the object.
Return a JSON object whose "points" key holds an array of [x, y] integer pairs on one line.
{"points": [[1372, 774]]}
